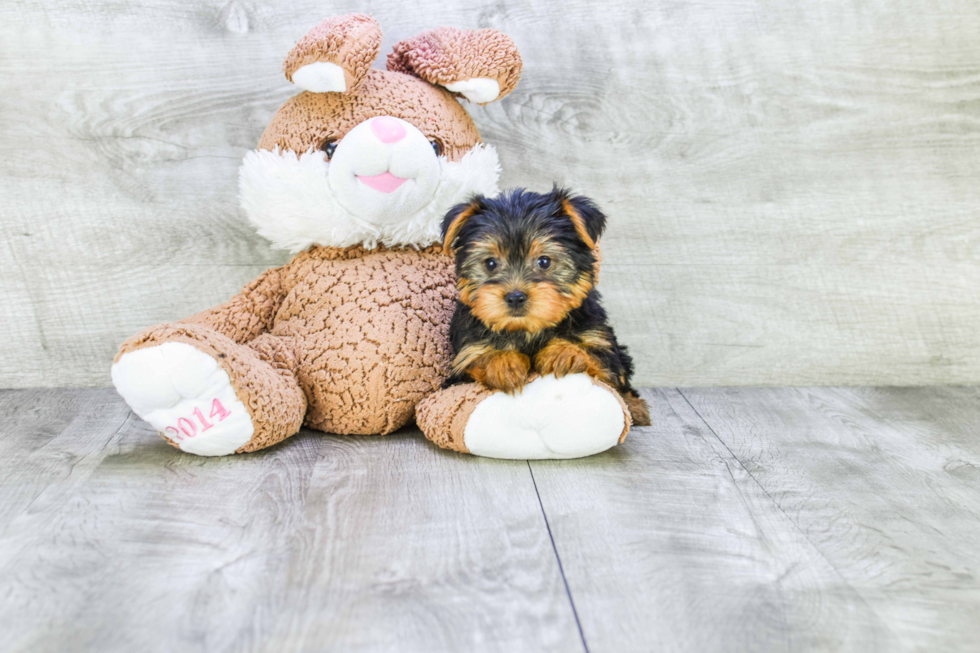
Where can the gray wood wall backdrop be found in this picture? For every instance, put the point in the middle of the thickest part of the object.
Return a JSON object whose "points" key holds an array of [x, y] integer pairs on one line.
{"points": [[794, 186]]}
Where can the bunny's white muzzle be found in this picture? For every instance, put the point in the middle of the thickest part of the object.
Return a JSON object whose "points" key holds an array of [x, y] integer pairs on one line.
{"points": [[384, 184], [383, 170]]}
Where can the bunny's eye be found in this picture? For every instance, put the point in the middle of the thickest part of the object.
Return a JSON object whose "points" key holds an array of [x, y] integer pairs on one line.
{"points": [[436, 147], [329, 147]]}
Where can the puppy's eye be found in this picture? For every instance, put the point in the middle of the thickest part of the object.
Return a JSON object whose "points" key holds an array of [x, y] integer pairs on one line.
{"points": [[544, 262], [329, 147], [491, 264], [437, 147]]}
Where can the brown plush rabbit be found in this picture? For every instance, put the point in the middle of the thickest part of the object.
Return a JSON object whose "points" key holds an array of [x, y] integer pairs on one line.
{"points": [[354, 174]]}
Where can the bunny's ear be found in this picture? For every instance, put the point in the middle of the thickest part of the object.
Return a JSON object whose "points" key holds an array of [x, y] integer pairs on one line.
{"points": [[335, 55], [481, 65]]}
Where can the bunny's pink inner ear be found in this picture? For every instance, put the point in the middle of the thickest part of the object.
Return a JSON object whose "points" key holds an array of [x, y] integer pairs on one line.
{"points": [[335, 55], [481, 65]]}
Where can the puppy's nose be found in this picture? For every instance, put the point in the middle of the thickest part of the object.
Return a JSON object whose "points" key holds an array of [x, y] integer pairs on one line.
{"points": [[387, 129], [515, 299]]}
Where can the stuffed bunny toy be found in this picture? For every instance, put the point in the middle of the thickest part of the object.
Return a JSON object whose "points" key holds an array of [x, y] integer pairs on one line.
{"points": [[354, 176]]}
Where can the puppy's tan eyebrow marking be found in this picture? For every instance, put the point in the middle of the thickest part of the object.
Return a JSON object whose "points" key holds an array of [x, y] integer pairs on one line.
{"points": [[495, 251], [542, 246], [486, 248]]}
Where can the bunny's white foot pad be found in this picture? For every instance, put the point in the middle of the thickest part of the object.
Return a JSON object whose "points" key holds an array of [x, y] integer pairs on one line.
{"points": [[185, 395], [568, 417]]}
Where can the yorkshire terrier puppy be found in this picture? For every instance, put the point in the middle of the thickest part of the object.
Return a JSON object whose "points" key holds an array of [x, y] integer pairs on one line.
{"points": [[526, 271]]}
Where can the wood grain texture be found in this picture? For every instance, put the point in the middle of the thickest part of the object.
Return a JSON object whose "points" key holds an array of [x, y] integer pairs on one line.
{"points": [[668, 544], [321, 543], [883, 482], [793, 187], [742, 520]]}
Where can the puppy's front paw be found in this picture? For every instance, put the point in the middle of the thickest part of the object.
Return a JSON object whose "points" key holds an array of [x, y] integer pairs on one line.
{"points": [[505, 371], [560, 357]]}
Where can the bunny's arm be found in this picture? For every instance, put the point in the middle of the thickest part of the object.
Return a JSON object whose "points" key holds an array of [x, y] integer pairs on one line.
{"points": [[248, 314]]}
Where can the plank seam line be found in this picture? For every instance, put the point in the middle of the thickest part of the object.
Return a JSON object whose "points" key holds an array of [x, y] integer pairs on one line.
{"points": [[792, 521], [561, 569], [764, 490]]}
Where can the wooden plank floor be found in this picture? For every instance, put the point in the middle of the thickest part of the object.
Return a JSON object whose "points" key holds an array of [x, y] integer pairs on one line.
{"points": [[752, 519]]}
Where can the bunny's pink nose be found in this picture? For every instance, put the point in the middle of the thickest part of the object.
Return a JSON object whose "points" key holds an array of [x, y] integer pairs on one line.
{"points": [[387, 129]]}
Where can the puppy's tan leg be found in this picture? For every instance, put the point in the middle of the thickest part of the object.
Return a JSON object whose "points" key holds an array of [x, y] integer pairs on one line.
{"points": [[501, 370], [561, 357]]}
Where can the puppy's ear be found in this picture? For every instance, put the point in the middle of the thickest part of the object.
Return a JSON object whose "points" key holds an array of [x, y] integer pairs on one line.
{"points": [[455, 219], [588, 220], [481, 65], [335, 55]]}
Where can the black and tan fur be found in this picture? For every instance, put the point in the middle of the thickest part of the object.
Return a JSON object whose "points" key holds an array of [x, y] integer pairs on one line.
{"points": [[525, 269]]}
